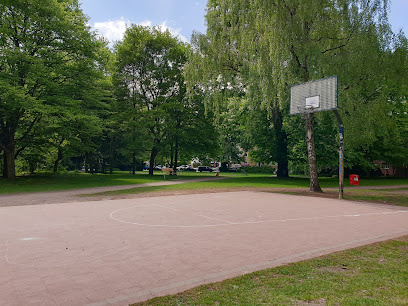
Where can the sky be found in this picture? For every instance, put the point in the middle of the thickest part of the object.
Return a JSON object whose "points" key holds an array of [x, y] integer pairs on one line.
{"points": [[180, 17]]}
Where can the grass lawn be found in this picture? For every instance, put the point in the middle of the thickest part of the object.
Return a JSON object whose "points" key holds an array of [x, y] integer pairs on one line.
{"points": [[268, 183], [375, 274], [44, 182], [386, 196], [52, 182]]}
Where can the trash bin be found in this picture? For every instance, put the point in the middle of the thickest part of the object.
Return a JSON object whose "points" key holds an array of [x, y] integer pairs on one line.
{"points": [[354, 179]]}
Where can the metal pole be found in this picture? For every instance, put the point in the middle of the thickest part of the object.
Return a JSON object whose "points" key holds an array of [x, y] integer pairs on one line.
{"points": [[341, 154]]}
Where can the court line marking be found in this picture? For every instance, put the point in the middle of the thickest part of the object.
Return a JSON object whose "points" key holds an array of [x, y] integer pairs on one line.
{"points": [[227, 223]]}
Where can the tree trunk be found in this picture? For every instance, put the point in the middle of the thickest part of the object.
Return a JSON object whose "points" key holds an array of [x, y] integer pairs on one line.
{"points": [[9, 171], [311, 154], [133, 163], [103, 170], [78, 164], [9, 163], [176, 151], [111, 155], [4, 165], [59, 157], [171, 155], [281, 144], [153, 154], [282, 154]]}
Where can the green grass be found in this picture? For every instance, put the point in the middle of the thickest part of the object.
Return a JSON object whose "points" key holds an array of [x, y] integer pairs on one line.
{"points": [[44, 182], [376, 274], [251, 181], [51, 182], [387, 196]]}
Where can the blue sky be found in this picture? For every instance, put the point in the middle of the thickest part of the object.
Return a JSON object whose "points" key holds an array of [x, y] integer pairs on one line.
{"points": [[181, 17]]}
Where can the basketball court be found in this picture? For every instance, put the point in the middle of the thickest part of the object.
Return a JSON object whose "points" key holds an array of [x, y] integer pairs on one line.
{"points": [[122, 251]]}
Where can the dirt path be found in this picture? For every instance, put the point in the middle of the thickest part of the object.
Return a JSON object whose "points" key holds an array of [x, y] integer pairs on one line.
{"points": [[74, 195]]}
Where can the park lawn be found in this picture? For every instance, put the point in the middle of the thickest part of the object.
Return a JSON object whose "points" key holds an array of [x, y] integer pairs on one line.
{"points": [[251, 181], [54, 182], [375, 274], [51, 182], [232, 182], [385, 196]]}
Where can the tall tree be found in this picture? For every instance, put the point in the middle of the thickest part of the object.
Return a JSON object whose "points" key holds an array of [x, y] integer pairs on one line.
{"points": [[149, 78], [46, 49], [271, 45], [233, 58]]}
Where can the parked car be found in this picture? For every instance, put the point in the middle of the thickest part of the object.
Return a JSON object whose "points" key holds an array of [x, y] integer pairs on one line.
{"points": [[182, 167], [204, 169]]}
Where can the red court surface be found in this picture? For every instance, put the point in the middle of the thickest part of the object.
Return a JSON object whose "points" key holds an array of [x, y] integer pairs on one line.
{"points": [[122, 251]]}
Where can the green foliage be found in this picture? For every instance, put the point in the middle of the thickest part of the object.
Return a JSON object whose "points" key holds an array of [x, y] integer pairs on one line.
{"points": [[256, 50], [260, 169], [49, 71], [151, 96]]}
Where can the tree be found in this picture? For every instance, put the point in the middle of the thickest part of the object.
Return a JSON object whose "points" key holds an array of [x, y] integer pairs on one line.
{"points": [[232, 59], [266, 46], [191, 130], [149, 78], [47, 51]]}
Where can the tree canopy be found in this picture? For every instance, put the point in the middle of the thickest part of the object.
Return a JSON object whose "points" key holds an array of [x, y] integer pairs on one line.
{"points": [[48, 65], [67, 101]]}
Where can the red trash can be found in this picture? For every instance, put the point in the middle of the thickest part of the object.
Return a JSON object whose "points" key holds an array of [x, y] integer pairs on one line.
{"points": [[354, 179]]}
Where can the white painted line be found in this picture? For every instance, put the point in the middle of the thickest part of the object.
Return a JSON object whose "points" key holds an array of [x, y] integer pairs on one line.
{"points": [[226, 223]]}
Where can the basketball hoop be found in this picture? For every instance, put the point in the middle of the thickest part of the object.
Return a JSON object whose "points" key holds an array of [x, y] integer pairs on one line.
{"points": [[306, 110], [317, 96]]}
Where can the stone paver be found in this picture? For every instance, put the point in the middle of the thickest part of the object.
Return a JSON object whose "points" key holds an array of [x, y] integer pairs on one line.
{"points": [[116, 252]]}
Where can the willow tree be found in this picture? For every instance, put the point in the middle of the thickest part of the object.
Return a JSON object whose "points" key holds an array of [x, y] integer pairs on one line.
{"points": [[270, 45], [231, 61]]}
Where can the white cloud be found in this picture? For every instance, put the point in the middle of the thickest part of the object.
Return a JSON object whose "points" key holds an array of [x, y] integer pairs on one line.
{"points": [[112, 30], [115, 30], [175, 32]]}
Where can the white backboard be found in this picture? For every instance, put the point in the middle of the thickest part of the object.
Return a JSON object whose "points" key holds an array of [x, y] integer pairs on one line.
{"points": [[315, 96]]}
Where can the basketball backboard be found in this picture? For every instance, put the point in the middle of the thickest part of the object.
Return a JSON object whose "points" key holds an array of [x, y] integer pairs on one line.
{"points": [[314, 96]]}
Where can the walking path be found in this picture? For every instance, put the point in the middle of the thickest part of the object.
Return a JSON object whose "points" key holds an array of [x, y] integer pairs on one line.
{"points": [[74, 195]]}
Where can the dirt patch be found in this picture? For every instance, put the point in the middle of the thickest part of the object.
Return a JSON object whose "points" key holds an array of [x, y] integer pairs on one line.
{"points": [[403, 239], [342, 269], [404, 248], [321, 301]]}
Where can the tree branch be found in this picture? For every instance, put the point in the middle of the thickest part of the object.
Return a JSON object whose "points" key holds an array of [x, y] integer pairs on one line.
{"points": [[28, 131]]}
